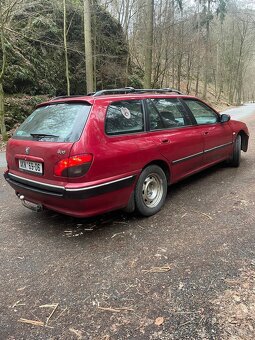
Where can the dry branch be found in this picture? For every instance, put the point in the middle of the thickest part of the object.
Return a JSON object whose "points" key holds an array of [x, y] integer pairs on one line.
{"points": [[32, 322], [116, 310], [163, 269]]}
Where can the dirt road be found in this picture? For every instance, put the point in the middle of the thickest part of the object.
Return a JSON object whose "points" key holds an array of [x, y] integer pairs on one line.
{"points": [[186, 273]]}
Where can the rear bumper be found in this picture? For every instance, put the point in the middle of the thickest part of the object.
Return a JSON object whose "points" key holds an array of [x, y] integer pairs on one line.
{"points": [[75, 201], [18, 183]]}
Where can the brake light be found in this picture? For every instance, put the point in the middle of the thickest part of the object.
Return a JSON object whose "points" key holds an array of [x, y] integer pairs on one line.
{"points": [[74, 166]]}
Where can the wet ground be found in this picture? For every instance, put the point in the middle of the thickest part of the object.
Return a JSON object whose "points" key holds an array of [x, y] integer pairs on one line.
{"points": [[120, 276]]}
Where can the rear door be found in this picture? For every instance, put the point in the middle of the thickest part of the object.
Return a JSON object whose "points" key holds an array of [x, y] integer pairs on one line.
{"points": [[217, 136], [174, 134]]}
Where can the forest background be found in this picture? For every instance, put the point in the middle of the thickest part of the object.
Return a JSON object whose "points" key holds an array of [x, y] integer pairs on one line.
{"points": [[58, 47]]}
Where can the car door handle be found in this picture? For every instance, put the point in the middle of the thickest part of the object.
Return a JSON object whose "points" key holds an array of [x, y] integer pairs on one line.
{"points": [[206, 132], [165, 141]]}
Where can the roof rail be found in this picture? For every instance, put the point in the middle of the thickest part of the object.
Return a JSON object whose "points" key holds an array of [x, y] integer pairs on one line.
{"points": [[126, 90], [123, 90], [63, 97]]}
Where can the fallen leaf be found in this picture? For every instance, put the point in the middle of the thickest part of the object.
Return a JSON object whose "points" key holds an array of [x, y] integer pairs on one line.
{"points": [[159, 321], [181, 285]]}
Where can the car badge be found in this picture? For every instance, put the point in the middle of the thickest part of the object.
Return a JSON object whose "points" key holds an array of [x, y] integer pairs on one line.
{"points": [[61, 152], [27, 150]]}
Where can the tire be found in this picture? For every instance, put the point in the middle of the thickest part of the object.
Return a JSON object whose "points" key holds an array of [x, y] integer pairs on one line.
{"points": [[150, 190], [236, 157]]}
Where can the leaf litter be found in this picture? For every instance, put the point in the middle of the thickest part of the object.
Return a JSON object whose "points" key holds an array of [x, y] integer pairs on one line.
{"points": [[235, 307], [53, 306]]}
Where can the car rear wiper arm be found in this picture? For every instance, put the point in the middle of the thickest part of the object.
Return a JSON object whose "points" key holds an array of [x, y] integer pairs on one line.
{"points": [[42, 135]]}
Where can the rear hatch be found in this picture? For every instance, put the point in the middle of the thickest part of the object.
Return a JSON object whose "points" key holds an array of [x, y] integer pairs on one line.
{"points": [[45, 138]]}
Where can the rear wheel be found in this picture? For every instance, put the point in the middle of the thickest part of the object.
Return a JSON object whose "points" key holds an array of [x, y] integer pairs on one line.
{"points": [[151, 190], [236, 157]]}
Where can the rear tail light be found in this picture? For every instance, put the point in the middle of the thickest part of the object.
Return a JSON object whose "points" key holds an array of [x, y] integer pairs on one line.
{"points": [[74, 166]]}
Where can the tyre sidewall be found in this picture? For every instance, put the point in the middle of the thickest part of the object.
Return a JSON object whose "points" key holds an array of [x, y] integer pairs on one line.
{"points": [[140, 205], [237, 151]]}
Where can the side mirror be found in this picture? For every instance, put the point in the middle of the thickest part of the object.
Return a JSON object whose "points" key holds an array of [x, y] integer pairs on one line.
{"points": [[224, 118]]}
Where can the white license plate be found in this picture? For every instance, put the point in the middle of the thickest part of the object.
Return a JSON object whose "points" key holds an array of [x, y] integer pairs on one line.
{"points": [[30, 166]]}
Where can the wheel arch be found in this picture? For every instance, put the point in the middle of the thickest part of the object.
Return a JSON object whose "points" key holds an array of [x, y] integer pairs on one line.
{"points": [[163, 165]]}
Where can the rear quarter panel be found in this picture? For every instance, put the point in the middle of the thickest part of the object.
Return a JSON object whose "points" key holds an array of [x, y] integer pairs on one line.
{"points": [[112, 155]]}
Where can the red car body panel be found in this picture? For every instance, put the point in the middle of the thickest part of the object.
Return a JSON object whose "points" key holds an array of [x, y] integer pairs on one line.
{"points": [[117, 160]]}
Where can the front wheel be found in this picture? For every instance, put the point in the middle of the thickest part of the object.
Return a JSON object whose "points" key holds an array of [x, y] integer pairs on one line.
{"points": [[236, 156], [151, 190]]}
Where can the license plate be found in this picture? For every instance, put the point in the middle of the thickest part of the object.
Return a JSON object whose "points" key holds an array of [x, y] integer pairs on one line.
{"points": [[30, 166]]}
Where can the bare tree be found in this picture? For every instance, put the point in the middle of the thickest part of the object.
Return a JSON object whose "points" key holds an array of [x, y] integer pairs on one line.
{"points": [[88, 46], [65, 50], [3, 66], [149, 44]]}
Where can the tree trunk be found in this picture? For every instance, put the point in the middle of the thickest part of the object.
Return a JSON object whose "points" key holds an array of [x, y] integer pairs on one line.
{"points": [[173, 46], [2, 122], [206, 61], [197, 80], [180, 54], [148, 46], [2, 71], [189, 65], [88, 47], [94, 46], [65, 49]]}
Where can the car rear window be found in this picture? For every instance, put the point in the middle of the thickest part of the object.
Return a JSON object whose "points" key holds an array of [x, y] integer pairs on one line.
{"points": [[56, 122]]}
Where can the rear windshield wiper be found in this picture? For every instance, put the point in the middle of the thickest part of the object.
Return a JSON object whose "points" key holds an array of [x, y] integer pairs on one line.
{"points": [[42, 135]]}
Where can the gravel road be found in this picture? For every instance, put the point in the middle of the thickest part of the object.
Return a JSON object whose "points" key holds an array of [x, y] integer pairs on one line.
{"points": [[186, 273]]}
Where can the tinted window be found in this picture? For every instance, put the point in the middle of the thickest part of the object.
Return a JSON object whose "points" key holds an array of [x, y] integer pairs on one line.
{"points": [[202, 113], [56, 123], [171, 112], [124, 117]]}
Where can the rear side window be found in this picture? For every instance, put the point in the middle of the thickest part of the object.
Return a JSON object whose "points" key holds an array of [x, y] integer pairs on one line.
{"points": [[56, 123], [202, 113], [124, 117]]}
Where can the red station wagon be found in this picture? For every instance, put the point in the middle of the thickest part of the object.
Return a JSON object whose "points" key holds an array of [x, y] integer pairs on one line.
{"points": [[115, 149]]}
